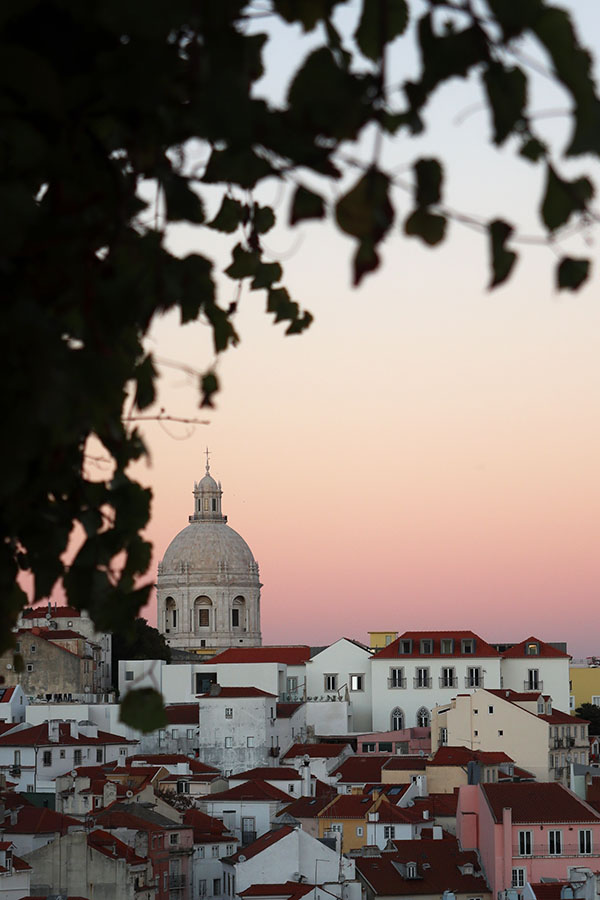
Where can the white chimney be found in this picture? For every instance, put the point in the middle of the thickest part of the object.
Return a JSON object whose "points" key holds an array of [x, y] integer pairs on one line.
{"points": [[54, 730], [306, 777]]}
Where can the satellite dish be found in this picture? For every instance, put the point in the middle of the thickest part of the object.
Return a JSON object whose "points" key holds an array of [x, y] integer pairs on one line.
{"points": [[9, 666], [421, 753], [73, 773], [48, 616], [129, 793]]}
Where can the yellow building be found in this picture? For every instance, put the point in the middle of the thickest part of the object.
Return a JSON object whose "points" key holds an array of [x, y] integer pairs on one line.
{"points": [[380, 639], [584, 677], [348, 815]]}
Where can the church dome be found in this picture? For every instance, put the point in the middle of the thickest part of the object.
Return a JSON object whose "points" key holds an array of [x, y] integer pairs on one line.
{"points": [[207, 547]]}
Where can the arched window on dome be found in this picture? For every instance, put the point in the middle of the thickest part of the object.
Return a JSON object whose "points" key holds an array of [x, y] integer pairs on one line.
{"points": [[202, 612], [423, 717], [397, 719], [238, 613], [170, 615]]}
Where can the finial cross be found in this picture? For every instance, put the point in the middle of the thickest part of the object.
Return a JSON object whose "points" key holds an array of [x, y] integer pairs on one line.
{"points": [[207, 462]]}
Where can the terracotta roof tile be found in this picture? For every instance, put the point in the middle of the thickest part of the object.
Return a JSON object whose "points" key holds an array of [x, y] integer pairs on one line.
{"points": [[348, 806], [225, 693], [482, 648], [250, 790], [269, 773], [315, 751], [291, 890], [183, 713], [545, 650], [361, 769], [39, 820], [293, 655], [261, 843], [537, 802], [461, 756]]}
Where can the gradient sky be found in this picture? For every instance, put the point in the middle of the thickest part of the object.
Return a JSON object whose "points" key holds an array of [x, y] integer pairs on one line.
{"points": [[426, 455]]}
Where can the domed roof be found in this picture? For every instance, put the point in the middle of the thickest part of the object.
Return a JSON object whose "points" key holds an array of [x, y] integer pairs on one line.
{"points": [[209, 547], [208, 483]]}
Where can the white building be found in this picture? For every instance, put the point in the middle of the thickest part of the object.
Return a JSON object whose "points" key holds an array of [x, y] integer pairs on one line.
{"points": [[534, 665], [237, 728], [423, 669], [341, 671], [13, 704], [208, 590]]}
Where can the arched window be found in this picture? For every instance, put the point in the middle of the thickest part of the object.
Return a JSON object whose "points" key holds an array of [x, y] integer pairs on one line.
{"points": [[238, 612], [397, 719], [423, 717], [202, 607], [170, 614]]}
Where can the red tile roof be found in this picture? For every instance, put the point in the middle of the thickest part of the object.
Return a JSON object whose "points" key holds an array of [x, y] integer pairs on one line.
{"points": [[226, 692], [546, 650], [548, 890], [482, 648], [290, 889], [207, 829], [443, 805], [535, 802], [438, 869], [37, 735], [348, 806], [171, 759], [461, 756], [261, 843], [315, 751], [269, 773], [39, 820], [405, 763], [295, 655], [182, 713], [287, 710], [557, 717], [307, 807], [6, 694], [111, 846], [39, 612], [361, 769], [250, 790], [515, 696]]}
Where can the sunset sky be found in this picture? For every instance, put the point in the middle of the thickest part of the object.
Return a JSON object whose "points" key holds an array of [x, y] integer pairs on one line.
{"points": [[426, 455]]}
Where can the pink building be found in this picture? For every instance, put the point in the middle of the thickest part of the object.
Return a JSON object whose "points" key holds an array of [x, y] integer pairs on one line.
{"points": [[526, 832]]}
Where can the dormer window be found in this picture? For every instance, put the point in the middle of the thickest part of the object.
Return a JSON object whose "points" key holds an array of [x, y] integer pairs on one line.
{"points": [[404, 647], [447, 646], [467, 646], [532, 648], [411, 870], [427, 646]]}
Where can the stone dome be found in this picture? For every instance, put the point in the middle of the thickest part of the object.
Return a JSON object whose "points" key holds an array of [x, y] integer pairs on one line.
{"points": [[207, 547]]}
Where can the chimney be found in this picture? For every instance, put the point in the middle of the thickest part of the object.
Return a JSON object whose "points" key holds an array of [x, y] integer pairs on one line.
{"points": [[306, 778], [426, 814], [215, 690], [54, 730]]}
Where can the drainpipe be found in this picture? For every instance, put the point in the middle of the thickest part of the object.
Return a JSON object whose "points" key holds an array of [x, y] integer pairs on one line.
{"points": [[506, 881]]}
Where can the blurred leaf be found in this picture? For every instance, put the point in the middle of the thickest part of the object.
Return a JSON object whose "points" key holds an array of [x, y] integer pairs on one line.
{"points": [[241, 166], [307, 12], [431, 228], [366, 259], [263, 219], [572, 273], [209, 385], [507, 96], [380, 22], [182, 202], [533, 149], [266, 275], [144, 710], [428, 174], [145, 375], [563, 198], [365, 212], [502, 259], [231, 214], [306, 205], [245, 263]]}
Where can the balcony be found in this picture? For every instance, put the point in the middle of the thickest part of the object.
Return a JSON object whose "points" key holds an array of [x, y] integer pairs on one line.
{"points": [[474, 681], [177, 882], [422, 682], [448, 682], [533, 684], [568, 850], [248, 837], [396, 682]]}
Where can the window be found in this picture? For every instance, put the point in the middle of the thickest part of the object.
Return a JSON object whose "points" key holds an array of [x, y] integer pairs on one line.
{"points": [[183, 787], [129, 675], [201, 886], [389, 832], [447, 646], [555, 842], [596, 699], [228, 712], [447, 677], [216, 886], [427, 646], [62, 754], [174, 733], [368, 748], [397, 719], [228, 742], [533, 679], [47, 758], [500, 732], [474, 678], [491, 710], [585, 841], [525, 843], [518, 878], [532, 648], [213, 504], [174, 837], [174, 618], [189, 733], [77, 757], [385, 747], [99, 754], [200, 852], [230, 850], [17, 758], [396, 679], [203, 618], [360, 830], [32, 648], [357, 682], [423, 717], [291, 684], [411, 870], [30, 667], [215, 850], [443, 735], [404, 647], [250, 741], [422, 679], [330, 682], [18, 647], [467, 646], [235, 618], [337, 827]]}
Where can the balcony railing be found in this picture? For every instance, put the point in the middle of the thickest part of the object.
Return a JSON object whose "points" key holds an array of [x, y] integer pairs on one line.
{"points": [[176, 882], [248, 837], [396, 682], [474, 681], [531, 684], [448, 681], [421, 682], [569, 850]]}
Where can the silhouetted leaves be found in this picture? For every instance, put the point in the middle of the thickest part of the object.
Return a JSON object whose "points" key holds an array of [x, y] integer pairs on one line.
{"points": [[502, 259], [563, 198], [306, 205], [143, 709], [381, 21], [571, 273], [507, 95]]}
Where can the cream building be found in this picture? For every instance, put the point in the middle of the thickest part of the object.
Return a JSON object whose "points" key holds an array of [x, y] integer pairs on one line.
{"points": [[208, 589]]}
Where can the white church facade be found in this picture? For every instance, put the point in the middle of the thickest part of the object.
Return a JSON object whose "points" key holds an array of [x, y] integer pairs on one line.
{"points": [[208, 588]]}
